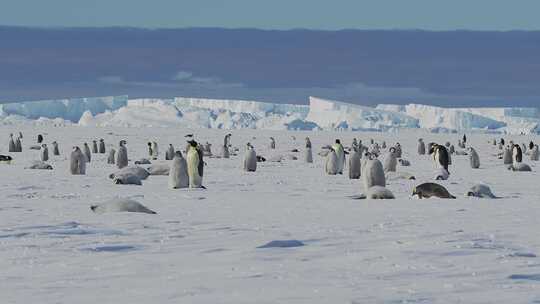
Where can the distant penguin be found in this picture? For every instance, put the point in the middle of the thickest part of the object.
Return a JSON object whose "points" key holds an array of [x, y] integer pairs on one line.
{"points": [[18, 144], [195, 165], [155, 151], [39, 138], [517, 154], [535, 153], [372, 172], [56, 150], [383, 145], [94, 147], [37, 164], [421, 147], [11, 145], [507, 156], [502, 141], [331, 166], [308, 156], [399, 152], [150, 151], [127, 179], [120, 205], [308, 142], [523, 148], [474, 158], [464, 139], [87, 154], [355, 167], [354, 145], [77, 162], [250, 159], [44, 153], [404, 162], [340, 153], [440, 156], [169, 154], [390, 162], [531, 145], [494, 142], [207, 149], [111, 157], [102, 146], [178, 174], [121, 155], [225, 148], [480, 191], [272, 143]]}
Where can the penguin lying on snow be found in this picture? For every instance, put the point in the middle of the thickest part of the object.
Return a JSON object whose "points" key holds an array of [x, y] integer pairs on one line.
{"points": [[481, 191], [428, 190], [127, 179], [5, 159], [140, 172], [121, 205], [37, 164], [159, 169]]}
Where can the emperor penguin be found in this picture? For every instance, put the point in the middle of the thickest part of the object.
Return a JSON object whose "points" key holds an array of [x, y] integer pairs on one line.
{"points": [[178, 173], [56, 150], [331, 166], [39, 138], [150, 151], [308, 154], [354, 144], [225, 148], [207, 149], [507, 156], [111, 157], [87, 153], [94, 147], [195, 165], [340, 153], [440, 156], [44, 153], [121, 155], [373, 172], [250, 159], [502, 141], [77, 162], [421, 147], [102, 146], [464, 139], [517, 154], [170, 154], [18, 144], [474, 158], [523, 148], [20, 135], [355, 166], [272, 143], [155, 151], [531, 145], [535, 153], [11, 145], [384, 144], [399, 152], [390, 162]]}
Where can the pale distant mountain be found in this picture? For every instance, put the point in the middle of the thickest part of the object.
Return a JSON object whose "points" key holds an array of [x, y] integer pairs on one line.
{"points": [[459, 68]]}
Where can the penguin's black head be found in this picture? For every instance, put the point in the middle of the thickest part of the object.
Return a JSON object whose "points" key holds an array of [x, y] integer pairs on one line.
{"points": [[470, 193], [188, 135], [178, 153], [149, 144], [338, 141], [93, 208], [192, 143]]}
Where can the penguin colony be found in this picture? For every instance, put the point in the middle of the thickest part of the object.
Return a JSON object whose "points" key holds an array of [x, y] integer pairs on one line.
{"points": [[374, 164]]}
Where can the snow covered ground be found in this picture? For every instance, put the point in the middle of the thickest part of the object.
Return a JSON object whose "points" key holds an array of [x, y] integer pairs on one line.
{"points": [[201, 247]]}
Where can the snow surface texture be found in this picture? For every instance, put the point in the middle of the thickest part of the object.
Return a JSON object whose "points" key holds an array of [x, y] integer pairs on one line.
{"points": [[320, 114], [202, 245]]}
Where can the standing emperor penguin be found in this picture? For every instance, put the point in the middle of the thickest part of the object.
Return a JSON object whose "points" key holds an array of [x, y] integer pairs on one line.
{"points": [[272, 143], [440, 156], [383, 145], [87, 153], [507, 156], [39, 138], [535, 153], [421, 147], [355, 166], [399, 152], [308, 157], [18, 144], [517, 154], [331, 166], [155, 151], [474, 158], [77, 162], [464, 139], [372, 172], [122, 156], [340, 153], [225, 148], [523, 148], [111, 157], [44, 153], [94, 147], [390, 162], [207, 149], [150, 151], [102, 146], [56, 150], [195, 165], [250, 159], [531, 145], [178, 174], [11, 145], [170, 154]]}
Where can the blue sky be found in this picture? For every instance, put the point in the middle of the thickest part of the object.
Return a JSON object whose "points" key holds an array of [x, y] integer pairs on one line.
{"points": [[277, 14]]}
